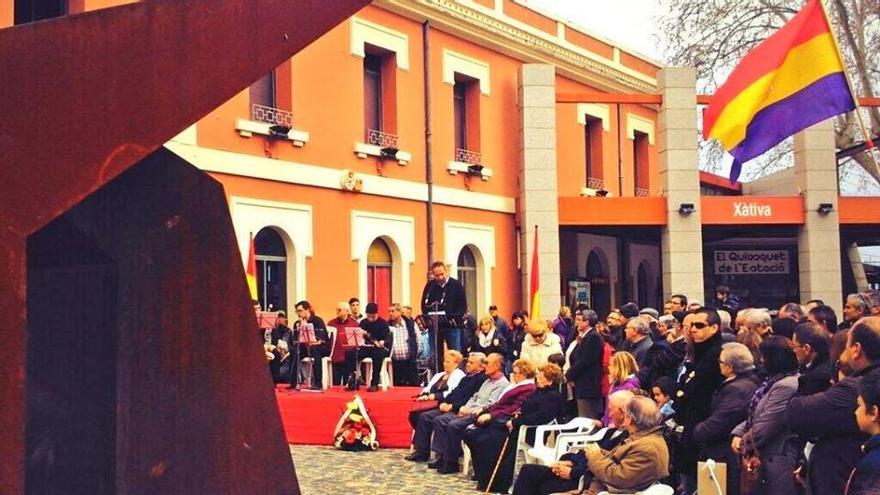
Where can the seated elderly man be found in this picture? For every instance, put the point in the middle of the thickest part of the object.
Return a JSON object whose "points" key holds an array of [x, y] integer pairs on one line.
{"points": [[449, 427], [535, 478], [633, 465]]}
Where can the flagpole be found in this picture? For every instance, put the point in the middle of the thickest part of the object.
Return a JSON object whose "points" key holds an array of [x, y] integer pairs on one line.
{"points": [[869, 142]]}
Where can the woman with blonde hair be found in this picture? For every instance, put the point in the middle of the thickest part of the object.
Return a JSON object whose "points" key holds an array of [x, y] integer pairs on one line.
{"points": [[487, 339], [540, 343], [622, 375]]}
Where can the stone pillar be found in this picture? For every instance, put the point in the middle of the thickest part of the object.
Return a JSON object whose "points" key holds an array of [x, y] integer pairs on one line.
{"points": [[537, 183], [682, 237], [815, 171]]}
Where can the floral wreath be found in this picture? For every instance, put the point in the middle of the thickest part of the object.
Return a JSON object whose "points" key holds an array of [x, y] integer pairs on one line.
{"points": [[355, 431]]}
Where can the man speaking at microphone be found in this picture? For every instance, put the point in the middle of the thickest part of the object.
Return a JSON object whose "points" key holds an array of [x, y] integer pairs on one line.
{"points": [[444, 296]]}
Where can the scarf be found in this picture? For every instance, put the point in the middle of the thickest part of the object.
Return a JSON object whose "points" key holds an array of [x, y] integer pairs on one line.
{"points": [[486, 339], [762, 390]]}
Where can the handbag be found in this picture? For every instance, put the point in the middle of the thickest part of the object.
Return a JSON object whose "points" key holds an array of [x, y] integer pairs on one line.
{"points": [[750, 469]]}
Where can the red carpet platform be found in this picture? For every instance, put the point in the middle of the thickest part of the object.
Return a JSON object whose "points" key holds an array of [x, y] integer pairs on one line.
{"points": [[310, 417]]}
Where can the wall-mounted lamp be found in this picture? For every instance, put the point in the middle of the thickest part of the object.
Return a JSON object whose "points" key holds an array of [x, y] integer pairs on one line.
{"points": [[389, 152], [686, 209], [825, 208], [279, 130]]}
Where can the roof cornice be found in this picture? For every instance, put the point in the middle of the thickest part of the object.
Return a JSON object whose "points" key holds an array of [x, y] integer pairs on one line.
{"points": [[511, 37]]}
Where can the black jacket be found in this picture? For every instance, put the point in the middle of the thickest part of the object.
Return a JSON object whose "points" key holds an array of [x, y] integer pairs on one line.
{"points": [[449, 297], [378, 330], [816, 377], [693, 402], [663, 359], [466, 388], [827, 419], [320, 334], [730, 407], [515, 338], [585, 366], [540, 408], [498, 344]]}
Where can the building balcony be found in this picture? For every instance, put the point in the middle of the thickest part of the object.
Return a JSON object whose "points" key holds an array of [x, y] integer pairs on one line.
{"points": [[383, 145], [469, 162], [271, 122]]}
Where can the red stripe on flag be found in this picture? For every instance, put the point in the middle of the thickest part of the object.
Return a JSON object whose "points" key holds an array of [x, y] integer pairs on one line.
{"points": [[766, 57]]}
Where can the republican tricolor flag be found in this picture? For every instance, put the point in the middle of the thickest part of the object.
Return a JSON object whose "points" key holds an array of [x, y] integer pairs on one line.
{"points": [[790, 81], [535, 286], [251, 271]]}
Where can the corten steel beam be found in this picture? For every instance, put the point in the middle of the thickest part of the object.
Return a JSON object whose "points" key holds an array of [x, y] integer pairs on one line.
{"points": [[87, 96]]}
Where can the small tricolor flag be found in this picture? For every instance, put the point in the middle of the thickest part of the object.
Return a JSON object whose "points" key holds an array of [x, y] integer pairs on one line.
{"points": [[251, 272], [535, 286], [790, 81]]}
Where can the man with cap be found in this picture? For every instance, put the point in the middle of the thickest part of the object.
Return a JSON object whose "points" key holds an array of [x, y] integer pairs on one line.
{"points": [[379, 343], [627, 312]]}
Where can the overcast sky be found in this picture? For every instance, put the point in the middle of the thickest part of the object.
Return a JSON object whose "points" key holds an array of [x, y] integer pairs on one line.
{"points": [[629, 23]]}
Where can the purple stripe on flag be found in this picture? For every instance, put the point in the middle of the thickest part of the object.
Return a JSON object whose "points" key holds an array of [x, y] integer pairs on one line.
{"points": [[824, 98]]}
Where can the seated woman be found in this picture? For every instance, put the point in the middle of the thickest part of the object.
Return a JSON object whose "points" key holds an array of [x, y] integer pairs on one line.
{"points": [[486, 440], [487, 339], [440, 385], [766, 430]]}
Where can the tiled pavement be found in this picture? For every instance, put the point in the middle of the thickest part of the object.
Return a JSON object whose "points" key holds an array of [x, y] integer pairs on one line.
{"points": [[326, 470]]}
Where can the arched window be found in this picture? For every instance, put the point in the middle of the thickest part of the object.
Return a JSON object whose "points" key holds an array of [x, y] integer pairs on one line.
{"points": [[271, 256], [467, 275], [642, 282], [379, 268]]}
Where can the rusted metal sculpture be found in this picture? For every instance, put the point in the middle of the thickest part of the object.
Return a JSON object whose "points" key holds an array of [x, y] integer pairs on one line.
{"points": [[126, 320]]}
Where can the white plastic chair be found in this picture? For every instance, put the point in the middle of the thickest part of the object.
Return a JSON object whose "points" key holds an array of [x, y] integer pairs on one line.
{"points": [[567, 442], [327, 362], [386, 376], [465, 460], [522, 448], [544, 454]]}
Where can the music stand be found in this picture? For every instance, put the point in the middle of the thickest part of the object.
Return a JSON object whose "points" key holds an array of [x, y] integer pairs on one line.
{"points": [[354, 337], [307, 334], [306, 337]]}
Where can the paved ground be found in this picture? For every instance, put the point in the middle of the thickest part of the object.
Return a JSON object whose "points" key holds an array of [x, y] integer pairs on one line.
{"points": [[324, 470]]}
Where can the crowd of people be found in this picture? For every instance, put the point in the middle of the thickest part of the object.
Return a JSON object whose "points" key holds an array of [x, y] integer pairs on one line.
{"points": [[791, 394]]}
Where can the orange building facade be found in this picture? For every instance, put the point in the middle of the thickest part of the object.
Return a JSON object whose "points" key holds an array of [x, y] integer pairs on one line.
{"points": [[430, 130]]}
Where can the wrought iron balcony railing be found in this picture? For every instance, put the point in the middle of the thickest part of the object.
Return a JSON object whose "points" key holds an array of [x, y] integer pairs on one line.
{"points": [[271, 115]]}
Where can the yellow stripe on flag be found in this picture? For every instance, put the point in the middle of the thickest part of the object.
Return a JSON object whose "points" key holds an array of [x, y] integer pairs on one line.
{"points": [[804, 65]]}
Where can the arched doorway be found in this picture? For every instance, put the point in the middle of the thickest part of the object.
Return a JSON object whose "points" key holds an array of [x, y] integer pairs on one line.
{"points": [[467, 275], [600, 285], [379, 266], [642, 289], [271, 257]]}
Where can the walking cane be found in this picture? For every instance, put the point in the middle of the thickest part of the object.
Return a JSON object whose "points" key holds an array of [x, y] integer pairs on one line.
{"points": [[497, 464]]}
